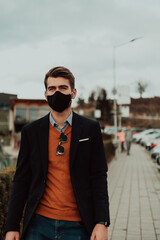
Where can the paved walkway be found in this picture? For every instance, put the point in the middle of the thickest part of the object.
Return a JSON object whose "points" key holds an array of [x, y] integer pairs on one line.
{"points": [[134, 190]]}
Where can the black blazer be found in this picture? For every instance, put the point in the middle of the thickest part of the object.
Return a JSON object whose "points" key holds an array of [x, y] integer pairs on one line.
{"points": [[87, 168]]}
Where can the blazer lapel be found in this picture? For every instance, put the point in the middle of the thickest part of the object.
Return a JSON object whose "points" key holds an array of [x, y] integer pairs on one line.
{"points": [[76, 131], [43, 142]]}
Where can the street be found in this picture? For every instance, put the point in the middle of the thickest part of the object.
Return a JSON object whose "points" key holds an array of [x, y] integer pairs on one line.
{"points": [[134, 191]]}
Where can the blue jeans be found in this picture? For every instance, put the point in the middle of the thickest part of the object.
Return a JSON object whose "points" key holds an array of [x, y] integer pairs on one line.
{"points": [[128, 144], [42, 228]]}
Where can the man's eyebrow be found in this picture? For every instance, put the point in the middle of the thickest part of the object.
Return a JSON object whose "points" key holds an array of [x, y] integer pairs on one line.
{"points": [[53, 86], [63, 85]]}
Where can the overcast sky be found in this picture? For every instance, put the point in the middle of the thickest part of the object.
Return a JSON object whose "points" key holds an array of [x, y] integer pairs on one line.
{"points": [[37, 35]]}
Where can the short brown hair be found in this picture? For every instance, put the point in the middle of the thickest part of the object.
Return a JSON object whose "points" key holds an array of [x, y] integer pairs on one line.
{"points": [[60, 72]]}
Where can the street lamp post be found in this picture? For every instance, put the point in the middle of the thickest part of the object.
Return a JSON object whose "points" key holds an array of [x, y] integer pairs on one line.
{"points": [[114, 93], [115, 87]]}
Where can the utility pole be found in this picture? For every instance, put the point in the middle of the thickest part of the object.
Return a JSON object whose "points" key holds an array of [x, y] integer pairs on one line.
{"points": [[115, 90]]}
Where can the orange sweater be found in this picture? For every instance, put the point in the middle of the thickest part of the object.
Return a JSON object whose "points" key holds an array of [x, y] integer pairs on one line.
{"points": [[58, 201]]}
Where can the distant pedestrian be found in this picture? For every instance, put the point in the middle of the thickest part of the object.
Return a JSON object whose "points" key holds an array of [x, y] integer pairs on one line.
{"points": [[128, 138], [121, 136]]}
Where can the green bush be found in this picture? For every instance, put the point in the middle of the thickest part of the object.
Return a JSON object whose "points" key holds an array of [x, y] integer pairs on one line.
{"points": [[107, 136], [109, 150], [108, 146], [6, 178]]}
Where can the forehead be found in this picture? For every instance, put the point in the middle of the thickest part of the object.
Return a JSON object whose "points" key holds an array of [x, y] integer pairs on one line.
{"points": [[51, 81]]}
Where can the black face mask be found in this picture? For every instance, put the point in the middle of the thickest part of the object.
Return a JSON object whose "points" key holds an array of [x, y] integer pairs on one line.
{"points": [[59, 101]]}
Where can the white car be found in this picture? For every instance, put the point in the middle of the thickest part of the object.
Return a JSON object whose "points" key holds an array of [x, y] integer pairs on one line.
{"points": [[149, 137], [155, 151], [153, 143], [137, 137], [158, 162]]}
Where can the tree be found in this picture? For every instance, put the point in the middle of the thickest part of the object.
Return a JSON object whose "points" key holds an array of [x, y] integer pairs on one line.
{"points": [[91, 98], [103, 104], [81, 101], [141, 87]]}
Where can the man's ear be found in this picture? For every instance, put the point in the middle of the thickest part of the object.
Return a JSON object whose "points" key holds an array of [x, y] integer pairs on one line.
{"points": [[74, 93], [45, 94]]}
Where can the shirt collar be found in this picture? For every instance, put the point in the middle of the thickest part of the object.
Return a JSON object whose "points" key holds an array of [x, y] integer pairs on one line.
{"points": [[68, 120]]}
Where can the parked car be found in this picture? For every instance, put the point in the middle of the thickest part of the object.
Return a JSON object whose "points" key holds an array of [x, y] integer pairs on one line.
{"points": [[145, 136], [158, 162], [153, 143], [111, 129], [155, 151], [137, 137], [149, 137], [136, 130]]}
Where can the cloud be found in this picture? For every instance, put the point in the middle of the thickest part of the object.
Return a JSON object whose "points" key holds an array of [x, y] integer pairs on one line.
{"points": [[37, 35], [34, 21]]}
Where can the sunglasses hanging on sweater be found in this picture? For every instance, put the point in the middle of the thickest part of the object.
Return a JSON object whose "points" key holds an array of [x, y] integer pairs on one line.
{"points": [[60, 149]]}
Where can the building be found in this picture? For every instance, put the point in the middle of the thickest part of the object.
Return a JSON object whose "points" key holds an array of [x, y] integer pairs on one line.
{"points": [[4, 111], [23, 111], [141, 112]]}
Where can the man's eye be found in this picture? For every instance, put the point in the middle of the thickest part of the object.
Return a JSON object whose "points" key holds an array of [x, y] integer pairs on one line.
{"points": [[63, 88], [51, 89]]}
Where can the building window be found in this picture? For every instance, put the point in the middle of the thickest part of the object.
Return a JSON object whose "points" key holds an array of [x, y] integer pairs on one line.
{"points": [[33, 113], [21, 113], [43, 111]]}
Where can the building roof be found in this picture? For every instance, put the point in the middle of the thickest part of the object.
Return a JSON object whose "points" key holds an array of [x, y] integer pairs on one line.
{"points": [[5, 99], [27, 102]]}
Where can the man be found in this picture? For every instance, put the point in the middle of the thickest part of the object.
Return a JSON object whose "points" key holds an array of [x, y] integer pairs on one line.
{"points": [[121, 136], [128, 138], [61, 172]]}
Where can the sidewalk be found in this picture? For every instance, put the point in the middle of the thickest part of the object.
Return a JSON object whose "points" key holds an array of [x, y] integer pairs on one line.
{"points": [[134, 191]]}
